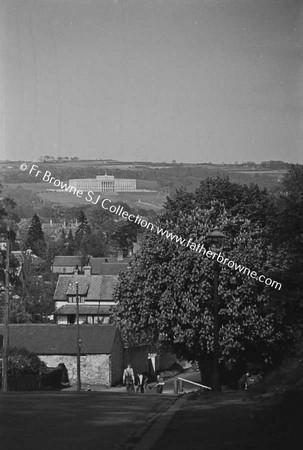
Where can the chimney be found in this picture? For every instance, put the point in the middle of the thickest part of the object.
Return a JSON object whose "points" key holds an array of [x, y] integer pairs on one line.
{"points": [[120, 255], [51, 222], [87, 270]]}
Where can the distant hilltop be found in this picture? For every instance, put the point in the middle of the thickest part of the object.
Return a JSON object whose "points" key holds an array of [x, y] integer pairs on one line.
{"points": [[104, 183]]}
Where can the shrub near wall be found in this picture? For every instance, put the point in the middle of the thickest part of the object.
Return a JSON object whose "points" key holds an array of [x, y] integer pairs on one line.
{"points": [[22, 365]]}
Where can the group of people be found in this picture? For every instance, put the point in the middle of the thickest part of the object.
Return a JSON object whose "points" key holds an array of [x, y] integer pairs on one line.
{"points": [[129, 380], [248, 380]]}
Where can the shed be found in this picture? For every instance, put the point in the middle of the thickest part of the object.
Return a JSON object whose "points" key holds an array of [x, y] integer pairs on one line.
{"points": [[66, 264], [101, 356]]}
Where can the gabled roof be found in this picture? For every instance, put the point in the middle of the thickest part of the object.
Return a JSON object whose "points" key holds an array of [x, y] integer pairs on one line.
{"points": [[71, 308], [67, 261], [91, 287], [50, 339]]}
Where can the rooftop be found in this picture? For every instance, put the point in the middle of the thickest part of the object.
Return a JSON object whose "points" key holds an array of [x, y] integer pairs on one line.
{"points": [[51, 339], [111, 267], [92, 287], [71, 308], [67, 261]]}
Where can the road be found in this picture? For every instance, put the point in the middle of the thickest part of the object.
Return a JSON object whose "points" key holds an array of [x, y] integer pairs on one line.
{"points": [[70, 420], [87, 420]]}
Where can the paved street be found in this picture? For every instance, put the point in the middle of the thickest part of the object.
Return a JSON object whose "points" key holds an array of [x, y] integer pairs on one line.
{"points": [[168, 387], [67, 420]]}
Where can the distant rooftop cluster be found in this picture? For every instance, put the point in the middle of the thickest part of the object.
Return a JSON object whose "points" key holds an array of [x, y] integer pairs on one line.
{"points": [[104, 183]]}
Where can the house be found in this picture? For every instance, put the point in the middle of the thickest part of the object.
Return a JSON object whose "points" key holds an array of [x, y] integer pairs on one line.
{"points": [[101, 354], [95, 297], [53, 230], [66, 264]]}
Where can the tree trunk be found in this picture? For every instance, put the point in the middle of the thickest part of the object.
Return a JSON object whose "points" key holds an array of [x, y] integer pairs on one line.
{"points": [[205, 367]]}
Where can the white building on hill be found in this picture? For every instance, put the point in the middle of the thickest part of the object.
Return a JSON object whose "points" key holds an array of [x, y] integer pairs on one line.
{"points": [[104, 183]]}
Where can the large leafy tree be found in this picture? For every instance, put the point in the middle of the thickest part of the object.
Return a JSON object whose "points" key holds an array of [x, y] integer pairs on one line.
{"points": [[125, 235], [167, 295], [287, 230], [30, 300]]}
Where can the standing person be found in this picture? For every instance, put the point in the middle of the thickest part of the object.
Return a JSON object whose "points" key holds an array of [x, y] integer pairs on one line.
{"points": [[142, 382], [159, 385], [129, 378]]}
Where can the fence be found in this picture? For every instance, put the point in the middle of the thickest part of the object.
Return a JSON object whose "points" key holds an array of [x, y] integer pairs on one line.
{"points": [[179, 385]]}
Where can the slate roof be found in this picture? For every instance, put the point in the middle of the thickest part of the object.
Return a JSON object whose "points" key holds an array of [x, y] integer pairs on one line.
{"points": [[70, 308], [103, 259], [99, 267], [67, 261], [51, 339], [91, 287]]}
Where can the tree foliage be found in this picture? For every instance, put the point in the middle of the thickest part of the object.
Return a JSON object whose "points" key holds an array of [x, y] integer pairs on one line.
{"points": [[35, 237], [21, 361], [167, 295], [287, 231]]}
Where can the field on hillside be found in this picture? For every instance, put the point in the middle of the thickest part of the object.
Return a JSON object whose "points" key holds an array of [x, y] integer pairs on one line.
{"points": [[139, 199], [164, 178]]}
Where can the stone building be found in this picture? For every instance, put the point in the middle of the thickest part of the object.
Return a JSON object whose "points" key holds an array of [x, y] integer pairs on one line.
{"points": [[101, 357]]}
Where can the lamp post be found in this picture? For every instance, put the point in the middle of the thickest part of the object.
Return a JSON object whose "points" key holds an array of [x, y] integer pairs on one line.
{"points": [[78, 339], [216, 241]]}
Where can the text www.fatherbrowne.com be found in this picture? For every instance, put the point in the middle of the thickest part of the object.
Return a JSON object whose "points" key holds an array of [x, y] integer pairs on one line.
{"points": [[92, 198], [199, 248]]}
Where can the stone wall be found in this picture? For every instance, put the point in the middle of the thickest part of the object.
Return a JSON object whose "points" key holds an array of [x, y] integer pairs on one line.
{"points": [[95, 369]]}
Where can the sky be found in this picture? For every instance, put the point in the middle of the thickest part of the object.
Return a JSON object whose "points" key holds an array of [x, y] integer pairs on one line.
{"points": [[152, 80]]}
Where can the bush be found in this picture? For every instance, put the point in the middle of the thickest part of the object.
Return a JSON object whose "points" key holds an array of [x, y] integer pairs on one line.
{"points": [[21, 361]]}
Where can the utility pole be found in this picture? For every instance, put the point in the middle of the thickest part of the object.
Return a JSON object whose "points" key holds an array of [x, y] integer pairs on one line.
{"points": [[216, 370], [78, 340], [6, 318], [216, 240]]}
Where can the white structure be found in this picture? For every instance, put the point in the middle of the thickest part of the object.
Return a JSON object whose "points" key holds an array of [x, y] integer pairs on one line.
{"points": [[123, 184], [104, 183]]}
